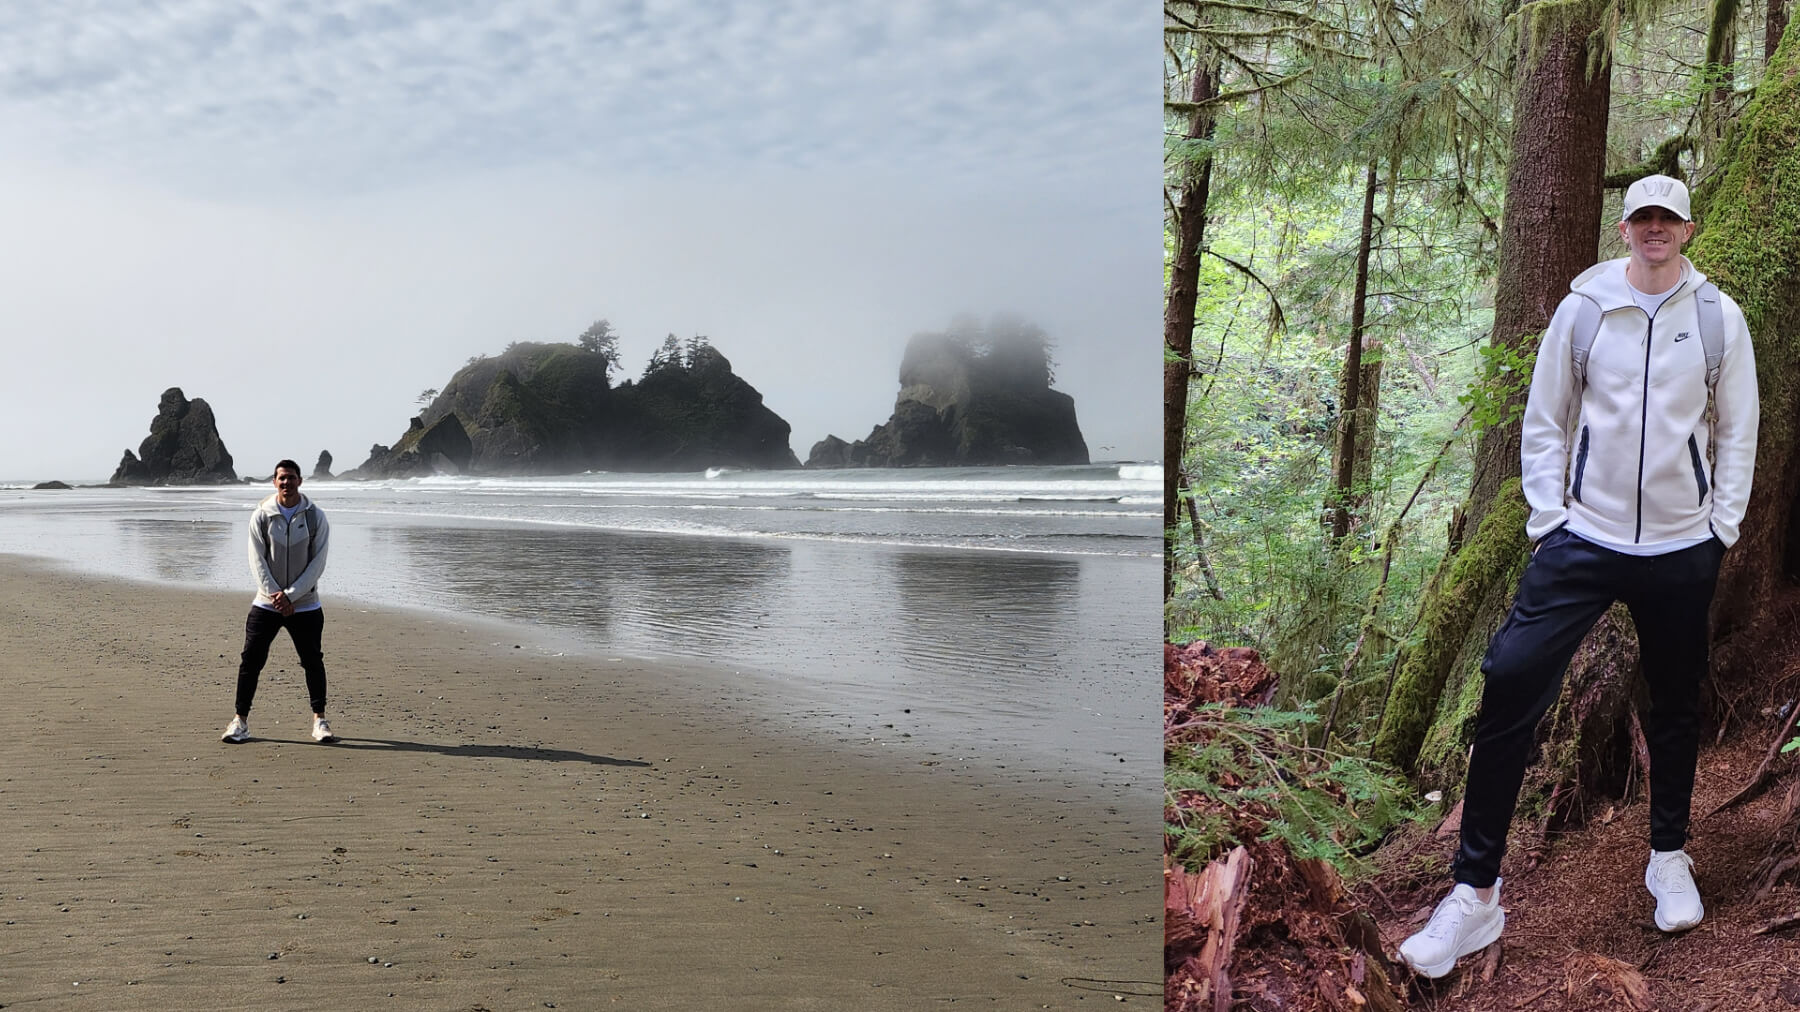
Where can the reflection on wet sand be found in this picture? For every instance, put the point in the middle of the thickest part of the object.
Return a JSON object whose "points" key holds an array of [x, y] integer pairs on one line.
{"points": [[684, 592], [191, 551], [1015, 610]]}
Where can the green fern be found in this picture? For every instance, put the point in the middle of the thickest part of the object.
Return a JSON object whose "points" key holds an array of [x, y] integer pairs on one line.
{"points": [[1234, 775]]}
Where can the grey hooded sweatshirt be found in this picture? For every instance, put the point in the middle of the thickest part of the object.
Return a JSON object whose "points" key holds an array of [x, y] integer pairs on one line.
{"points": [[287, 555]]}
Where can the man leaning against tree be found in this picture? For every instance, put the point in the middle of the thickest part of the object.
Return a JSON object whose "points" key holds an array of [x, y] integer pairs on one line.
{"points": [[1627, 504]]}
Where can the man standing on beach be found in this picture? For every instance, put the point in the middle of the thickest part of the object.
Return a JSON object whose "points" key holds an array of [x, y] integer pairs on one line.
{"points": [[1644, 368], [288, 541]]}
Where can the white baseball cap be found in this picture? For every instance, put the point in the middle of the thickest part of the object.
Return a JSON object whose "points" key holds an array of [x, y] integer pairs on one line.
{"points": [[1657, 191]]}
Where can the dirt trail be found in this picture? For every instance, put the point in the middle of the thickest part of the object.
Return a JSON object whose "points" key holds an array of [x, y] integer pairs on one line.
{"points": [[1579, 933]]}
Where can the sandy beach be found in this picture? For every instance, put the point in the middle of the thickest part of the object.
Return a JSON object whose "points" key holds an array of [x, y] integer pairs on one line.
{"points": [[501, 829]]}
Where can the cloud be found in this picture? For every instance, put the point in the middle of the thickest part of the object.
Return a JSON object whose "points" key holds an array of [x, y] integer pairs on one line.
{"points": [[201, 191], [364, 94]]}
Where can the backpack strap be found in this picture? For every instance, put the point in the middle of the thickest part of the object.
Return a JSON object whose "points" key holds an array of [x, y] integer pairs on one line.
{"points": [[1581, 337], [1712, 331]]}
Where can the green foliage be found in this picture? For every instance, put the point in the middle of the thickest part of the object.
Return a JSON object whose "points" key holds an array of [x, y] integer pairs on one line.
{"points": [[600, 339], [1263, 412], [1241, 774], [1498, 397]]}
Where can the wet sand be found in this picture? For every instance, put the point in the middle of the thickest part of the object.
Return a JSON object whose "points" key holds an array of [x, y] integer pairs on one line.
{"points": [[500, 829]]}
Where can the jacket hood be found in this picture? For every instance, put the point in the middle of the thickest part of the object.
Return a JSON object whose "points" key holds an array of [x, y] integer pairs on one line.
{"points": [[1605, 283]]}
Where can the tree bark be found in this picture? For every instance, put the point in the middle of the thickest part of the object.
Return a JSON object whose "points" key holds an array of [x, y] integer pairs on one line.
{"points": [[1550, 225], [1717, 66], [1753, 254], [1775, 19], [1178, 312], [1549, 234], [1351, 420]]}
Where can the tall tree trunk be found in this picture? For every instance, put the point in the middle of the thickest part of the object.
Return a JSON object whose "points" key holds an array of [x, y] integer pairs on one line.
{"points": [[1754, 256], [1178, 311], [1775, 19], [1351, 418], [1717, 67], [1750, 246], [1549, 233], [1549, 228]]}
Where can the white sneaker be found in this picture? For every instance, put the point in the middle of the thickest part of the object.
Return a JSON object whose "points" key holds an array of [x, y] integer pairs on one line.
{"points": [[1461, 924], [322, 730], [236, 731], [1670, 878]]}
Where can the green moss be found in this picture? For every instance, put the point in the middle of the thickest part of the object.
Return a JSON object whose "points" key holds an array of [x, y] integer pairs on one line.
{"points": [[1491, 557], [1750, 238], [1545, 21], [1445, 752]]}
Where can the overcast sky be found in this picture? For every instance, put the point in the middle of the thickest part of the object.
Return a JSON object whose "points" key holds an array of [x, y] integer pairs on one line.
{"points": [[306, 213]]}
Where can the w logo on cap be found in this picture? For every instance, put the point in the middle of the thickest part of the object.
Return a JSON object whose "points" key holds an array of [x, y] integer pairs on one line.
{"points": [[1658, 191]]}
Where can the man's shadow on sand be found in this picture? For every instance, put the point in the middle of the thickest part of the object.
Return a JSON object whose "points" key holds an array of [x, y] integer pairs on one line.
{"points": [[555, 755]]}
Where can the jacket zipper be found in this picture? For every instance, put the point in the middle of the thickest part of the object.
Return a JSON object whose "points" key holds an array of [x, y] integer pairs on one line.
{"points": [[1699, 470], [1637, 536], [1580, 465]]}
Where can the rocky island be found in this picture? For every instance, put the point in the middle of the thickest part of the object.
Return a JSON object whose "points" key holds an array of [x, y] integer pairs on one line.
{"points": [[550, 408], [183, 447], [970, 397]]}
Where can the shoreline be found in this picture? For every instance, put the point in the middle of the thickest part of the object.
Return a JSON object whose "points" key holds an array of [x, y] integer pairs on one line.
{"points": [[1000, 657], [509, 828]]}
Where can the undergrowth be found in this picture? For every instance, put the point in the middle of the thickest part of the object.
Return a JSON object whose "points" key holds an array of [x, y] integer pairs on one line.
{"points": [[1233, 775]]}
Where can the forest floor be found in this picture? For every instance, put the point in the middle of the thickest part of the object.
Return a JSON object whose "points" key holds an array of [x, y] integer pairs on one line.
{"points": [[1579, 933]]}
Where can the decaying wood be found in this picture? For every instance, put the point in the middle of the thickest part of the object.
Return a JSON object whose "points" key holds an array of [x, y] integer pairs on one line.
{"points": [[1641, 749], [1490, 962], [1202, 912], [1781, 923], [1760, 777], [1619, 979]]}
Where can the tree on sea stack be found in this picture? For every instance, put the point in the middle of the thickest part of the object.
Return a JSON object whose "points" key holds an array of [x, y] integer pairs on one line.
{"points": [[600, 339]]}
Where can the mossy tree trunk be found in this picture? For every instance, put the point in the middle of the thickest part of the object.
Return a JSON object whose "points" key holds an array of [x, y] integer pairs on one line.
{"points": [[1750, 245], [1549, 227]]}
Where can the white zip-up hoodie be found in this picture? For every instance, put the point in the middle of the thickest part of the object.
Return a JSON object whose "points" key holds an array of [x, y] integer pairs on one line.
{"points": [[1623, 458]]}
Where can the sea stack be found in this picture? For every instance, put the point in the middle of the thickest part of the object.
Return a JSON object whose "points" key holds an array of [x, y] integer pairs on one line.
{"points": [[183, 447], [970, 397]]}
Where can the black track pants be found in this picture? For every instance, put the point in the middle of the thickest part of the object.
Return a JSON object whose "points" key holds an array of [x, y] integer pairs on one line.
{"points": [[305, 628], [1567, 586]]}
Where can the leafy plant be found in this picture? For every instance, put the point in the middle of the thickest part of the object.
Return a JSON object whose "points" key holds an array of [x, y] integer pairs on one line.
{"points": [[1499, 396], [1233, 775]]}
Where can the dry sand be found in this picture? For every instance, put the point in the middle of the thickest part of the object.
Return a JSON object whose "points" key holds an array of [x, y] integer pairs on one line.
{"points": [[504, 830]]}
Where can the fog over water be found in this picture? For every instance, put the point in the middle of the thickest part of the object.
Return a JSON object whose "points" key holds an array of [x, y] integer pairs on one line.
{"points": [[306, 214]]}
